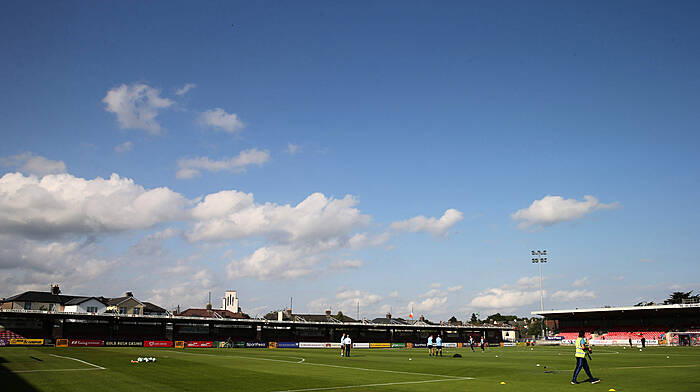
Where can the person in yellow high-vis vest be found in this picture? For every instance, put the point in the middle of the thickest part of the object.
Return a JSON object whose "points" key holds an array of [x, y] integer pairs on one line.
{"points": [[581, 349]]}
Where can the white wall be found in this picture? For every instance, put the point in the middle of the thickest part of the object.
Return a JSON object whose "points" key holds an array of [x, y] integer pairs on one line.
{"points": [[82, 308], [230, 301]]}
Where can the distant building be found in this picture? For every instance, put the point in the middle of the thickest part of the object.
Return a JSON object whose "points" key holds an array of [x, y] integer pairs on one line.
{"points": [[125, 305], [85, 305], [230, 302], [150, 309], [287, 315], [52, 301], [212, 313]]}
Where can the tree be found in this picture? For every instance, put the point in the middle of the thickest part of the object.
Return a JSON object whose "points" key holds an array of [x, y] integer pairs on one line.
{"points": [[452, 319], [679, 297], [535, 328], [501, 318], [339, 316], [473, 320]]}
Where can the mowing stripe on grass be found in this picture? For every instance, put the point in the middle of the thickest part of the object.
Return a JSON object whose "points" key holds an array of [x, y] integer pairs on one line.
{"points": [[328, 365], [79, 360], [373, 385]]}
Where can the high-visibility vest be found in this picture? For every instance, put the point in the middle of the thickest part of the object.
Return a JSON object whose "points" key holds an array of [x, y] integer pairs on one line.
{"points": [[580, 344]]}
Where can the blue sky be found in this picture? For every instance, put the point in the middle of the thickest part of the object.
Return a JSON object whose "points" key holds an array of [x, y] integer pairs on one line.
{"points": [[400, 154]]}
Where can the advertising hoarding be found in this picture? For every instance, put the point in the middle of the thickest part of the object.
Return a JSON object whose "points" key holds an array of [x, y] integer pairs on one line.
{"points": [[157, 343], [85, 343]]}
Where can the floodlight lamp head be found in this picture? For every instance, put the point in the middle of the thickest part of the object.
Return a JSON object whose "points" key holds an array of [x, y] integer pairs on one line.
{"points": [[533, 252], [543, 260], [535, 260]]}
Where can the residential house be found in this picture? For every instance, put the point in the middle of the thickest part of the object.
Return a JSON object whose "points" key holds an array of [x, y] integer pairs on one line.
{"points": [[85, 305]]}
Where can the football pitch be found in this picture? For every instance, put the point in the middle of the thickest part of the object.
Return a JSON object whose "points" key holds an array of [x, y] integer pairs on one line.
{"points": [[497, 369]]}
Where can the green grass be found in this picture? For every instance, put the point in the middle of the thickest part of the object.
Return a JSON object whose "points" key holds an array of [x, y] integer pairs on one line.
{"points": [[39, 369]]}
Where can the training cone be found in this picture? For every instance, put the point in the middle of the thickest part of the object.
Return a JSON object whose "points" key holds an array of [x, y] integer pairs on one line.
{"points": [[611, 390], [503, 382]]}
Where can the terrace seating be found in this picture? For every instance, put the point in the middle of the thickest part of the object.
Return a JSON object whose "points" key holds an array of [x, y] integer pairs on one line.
{"points": [[10, 335]]}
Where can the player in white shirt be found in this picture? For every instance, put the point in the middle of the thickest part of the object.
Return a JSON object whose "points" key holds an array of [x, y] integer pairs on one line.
{"points": [[430, 345], [342, 345], [348, 345]]}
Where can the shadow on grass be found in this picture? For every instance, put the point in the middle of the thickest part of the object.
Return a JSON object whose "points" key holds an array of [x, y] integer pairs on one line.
{"points": [[12, 381]]}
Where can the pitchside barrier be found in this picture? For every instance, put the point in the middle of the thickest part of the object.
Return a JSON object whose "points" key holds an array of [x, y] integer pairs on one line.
{"points": [[26, 342], [219, 344]]}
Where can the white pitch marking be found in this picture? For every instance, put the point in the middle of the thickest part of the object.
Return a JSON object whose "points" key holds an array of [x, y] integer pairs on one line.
{"points": [[52, 370], [238, 356], [653, 367], [79, 360], [334, 366], [375, 385]]}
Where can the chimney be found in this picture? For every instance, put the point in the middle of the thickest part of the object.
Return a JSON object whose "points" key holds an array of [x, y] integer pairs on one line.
{"points": [[208, 306], [288, 313], [129, 294], [388, 315], [54, 289], [328, 312], [422, 318]]}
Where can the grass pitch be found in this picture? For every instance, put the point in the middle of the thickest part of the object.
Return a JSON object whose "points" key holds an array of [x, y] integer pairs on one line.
{"points": [[272, 370]]}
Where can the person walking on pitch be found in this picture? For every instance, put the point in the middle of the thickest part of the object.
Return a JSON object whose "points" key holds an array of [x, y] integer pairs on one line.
{"points": [[348, 344], [438, 345], [482, 343], [471, 342], [430, 345], [342, 345], [582, 349]]}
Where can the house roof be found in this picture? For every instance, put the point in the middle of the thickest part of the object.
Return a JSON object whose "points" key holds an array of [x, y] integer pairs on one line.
{"points": [[213, 313], [385, 320], [41, 296], [314, 318], [119, 300], [80, 300], [152, 308]]}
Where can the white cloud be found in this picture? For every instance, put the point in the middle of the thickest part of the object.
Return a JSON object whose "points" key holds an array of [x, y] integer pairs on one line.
{"points": [[581, 282], [501, 298], [292, 149], [431, 293], [30, 163], [345, 264], [573, 295], [189, 168], [527, 282], [136, 106], [276, 262], [646, 261], [394, 294], [364, 240], [525, 291], [346, 301], [297, 237], [61, 204], [124, 147], [187, 87], [436, 285], [218, 118], [233, 215], [27, 264], [436, 227], [431, 304], [454, 289], [555, 209]]}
